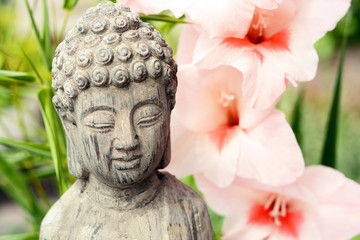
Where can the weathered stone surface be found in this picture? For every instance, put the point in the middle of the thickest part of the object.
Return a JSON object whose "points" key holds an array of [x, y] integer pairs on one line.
{"points": [[115, 83]]}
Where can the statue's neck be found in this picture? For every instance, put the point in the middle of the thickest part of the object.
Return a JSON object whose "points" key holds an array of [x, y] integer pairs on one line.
{"points": [[134, 196]]}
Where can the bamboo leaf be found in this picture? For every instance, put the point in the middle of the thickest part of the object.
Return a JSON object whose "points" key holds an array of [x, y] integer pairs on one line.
{"points": [[30, 147], [69, 4], [38, 37], [161, 18], [48, 113], [15, 186], [33, 23], [46, 171], [329, 149], [46, 40], [32, 65], [21, 76], [13, 77]]}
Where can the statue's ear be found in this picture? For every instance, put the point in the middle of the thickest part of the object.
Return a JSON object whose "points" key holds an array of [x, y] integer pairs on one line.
{"points": [[74, 158], [167, 155]]}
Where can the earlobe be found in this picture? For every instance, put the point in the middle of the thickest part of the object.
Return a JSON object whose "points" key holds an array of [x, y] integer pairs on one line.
{"points": [[75, 161], [167, 155]]}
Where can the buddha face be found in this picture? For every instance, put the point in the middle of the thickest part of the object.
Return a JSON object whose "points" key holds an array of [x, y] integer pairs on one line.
{"points": [[121, 133]]}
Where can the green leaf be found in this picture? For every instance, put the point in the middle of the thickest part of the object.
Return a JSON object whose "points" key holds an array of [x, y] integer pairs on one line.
{"points": [[356, 237], [48, 113], [15, 186], [296, 118], [43, 44], [329, 149], [25, 236], [16, 77], [46, 171], [161, 18], [32, 65], [33, 23], [30, 147], [217, 222], [46, 40], [69, 4]]}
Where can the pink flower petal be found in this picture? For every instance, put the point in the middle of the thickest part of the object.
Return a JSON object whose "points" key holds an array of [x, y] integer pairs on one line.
{"points": [[228, 199], [331, 186], [249, 233], [187, 42], [178, 8], [223, 171], [312, 22], [184, 152], [209, 14], [264, 82], [298, 64], [267, 87], [195, 104], [339, 202], [267, 4], [270, 153]]}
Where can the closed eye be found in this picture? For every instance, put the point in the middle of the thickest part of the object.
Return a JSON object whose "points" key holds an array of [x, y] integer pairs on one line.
{"points": [[100, 125], [149, 121], [100, 120]]}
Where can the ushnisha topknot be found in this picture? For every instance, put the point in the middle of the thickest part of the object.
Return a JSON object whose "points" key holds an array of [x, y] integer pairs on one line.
{"points": [[110, 46]]}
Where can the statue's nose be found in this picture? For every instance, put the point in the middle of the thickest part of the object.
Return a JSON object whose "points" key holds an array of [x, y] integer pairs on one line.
{"points": [[126, 144], [125, 138]]}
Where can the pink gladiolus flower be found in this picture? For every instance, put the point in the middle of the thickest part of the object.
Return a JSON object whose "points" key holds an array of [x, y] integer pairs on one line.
{"points": [[228, 18], [214, 132], [322, 204], [146, 6], [277, 48]]}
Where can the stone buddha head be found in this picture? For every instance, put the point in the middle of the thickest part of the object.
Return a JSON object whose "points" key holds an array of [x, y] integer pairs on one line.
{"points": [[115, 83]]}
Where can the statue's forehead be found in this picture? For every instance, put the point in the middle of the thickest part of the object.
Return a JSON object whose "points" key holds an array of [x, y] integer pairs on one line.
{"points": [[121, 98]]}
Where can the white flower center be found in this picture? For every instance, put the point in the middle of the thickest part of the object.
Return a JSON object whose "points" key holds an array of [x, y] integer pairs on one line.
{"points": [[226, 98], [278, 204], [258, 25]]}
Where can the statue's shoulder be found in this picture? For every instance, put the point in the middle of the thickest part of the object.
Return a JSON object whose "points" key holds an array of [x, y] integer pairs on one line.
{"points": [[61, 213], [179, 190], [186, 207]]}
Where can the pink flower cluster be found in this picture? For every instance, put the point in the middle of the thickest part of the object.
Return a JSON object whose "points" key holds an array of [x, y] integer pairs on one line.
{"points": [[235, 62]]}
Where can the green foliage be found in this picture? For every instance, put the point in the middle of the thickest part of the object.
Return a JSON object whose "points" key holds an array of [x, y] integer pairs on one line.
{"points": [[45, 40], [34, 236], [33, 148], [296, 118], [52, 127], [14, 184], [69, 4], [161, 18], [356, 238], [12, 77], [329, 150]]}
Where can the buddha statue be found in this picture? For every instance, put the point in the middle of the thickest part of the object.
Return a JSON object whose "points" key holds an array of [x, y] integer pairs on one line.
{"points": [[115, 82]]}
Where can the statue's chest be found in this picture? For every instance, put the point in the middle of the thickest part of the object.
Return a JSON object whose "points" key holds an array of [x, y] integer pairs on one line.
{"points": [[162, 223], [109, 224]]}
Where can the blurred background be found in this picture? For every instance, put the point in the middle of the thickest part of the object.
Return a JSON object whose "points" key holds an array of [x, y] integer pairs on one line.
{"points": [[33, 170]]}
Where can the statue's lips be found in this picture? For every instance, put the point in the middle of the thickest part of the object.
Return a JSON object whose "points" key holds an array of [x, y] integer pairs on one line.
{"points": [[126, 163]]}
